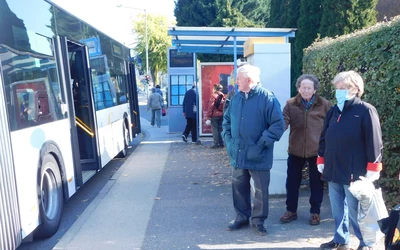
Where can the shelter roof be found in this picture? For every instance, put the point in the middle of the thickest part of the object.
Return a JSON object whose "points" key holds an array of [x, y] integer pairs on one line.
{"points": [[220, 40]]}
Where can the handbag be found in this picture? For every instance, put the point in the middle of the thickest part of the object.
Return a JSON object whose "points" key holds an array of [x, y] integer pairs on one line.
{"points": [[163, 112]]}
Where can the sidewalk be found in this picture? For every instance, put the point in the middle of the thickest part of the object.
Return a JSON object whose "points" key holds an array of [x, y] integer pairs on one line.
{"points": [[175, 195]]}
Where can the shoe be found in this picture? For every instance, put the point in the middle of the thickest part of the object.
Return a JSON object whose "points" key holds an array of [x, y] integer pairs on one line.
{"points": [[314, 219], [221, 145], [184, 138], [214, 146], [236, 225], [288, 217], [333, 245], [364, 248], [196, 142], [259, 229]]}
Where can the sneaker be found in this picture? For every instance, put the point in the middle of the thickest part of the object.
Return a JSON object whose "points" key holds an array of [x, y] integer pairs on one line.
{"points": [[288, 217], [196, 142], [333, 245], [214, 146], [184, 138], [314, 219], [259, 229]]}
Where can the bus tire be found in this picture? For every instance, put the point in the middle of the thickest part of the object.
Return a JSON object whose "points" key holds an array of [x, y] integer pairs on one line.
{"points": [[50, 197], [127, 139]]}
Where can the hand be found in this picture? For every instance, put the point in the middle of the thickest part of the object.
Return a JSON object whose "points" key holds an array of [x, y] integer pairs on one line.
{"points": [[372, 175], [321, 168], [208, 122]]}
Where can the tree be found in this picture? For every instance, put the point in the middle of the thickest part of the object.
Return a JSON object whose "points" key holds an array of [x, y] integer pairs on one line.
{"points": [[308, 24], [158, 42], [221, 13], [230, 16], [344, 16], [275, 13], [194, 13]]}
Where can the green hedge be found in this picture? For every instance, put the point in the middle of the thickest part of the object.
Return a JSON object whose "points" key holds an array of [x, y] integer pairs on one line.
{"points": [[374, 53]]}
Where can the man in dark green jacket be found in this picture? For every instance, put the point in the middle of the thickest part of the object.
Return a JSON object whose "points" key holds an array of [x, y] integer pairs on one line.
{"points": [[253, 122]]}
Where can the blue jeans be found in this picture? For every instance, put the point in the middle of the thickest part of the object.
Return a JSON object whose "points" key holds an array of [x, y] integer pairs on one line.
{"points": [[344, 209]]}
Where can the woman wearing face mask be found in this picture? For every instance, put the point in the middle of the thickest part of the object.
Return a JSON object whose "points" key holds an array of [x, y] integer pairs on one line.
{"points": [[350, 146]]}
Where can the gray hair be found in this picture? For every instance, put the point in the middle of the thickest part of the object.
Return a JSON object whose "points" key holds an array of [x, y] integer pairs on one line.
{"points": [[250, 71], [353, 81], [310, 77]]}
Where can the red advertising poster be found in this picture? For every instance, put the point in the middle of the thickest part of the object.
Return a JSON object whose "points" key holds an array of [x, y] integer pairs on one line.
{"points": [[212, 73]]}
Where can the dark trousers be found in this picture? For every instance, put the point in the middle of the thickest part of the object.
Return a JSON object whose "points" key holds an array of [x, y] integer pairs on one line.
{"points": [[241, 192], [293, 182], [216, 128], [191, 126]]}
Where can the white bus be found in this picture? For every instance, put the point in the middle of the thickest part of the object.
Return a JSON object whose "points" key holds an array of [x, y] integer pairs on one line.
{"points": [[68, 105]]}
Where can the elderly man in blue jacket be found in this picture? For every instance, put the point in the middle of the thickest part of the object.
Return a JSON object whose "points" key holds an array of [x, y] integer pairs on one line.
{"points": [[253, 122]]}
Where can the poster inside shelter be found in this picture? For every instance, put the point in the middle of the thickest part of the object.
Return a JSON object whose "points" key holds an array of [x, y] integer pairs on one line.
{"points": [[212, 73]]}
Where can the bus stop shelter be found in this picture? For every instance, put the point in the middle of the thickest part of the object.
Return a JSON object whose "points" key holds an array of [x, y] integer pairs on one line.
{"points": [[266, 48], [221, 40]]}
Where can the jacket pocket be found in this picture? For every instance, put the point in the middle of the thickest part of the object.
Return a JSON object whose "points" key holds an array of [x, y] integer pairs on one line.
{"points": [[229, 149], [255, 153]]}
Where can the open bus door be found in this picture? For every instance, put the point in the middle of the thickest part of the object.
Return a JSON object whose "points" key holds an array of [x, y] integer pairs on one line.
{"points": [[133, 101], [82, 112]]}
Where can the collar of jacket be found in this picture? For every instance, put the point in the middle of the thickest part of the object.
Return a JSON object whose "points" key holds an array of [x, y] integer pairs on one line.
{"points": [[252, 91], [353, 101], [317, 101]]}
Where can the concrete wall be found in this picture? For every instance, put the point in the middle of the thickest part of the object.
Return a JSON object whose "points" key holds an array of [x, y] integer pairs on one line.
{"points": [[274, 63]]}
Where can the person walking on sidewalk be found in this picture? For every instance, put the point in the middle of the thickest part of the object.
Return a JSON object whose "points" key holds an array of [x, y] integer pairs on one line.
{"points": [[215, 113], [305, 114], [155, 104], [252, 123], [350, 146], [190, 113]]}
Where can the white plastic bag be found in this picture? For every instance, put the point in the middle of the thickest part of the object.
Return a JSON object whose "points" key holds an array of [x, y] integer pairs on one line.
{"points": [[371, 208]]}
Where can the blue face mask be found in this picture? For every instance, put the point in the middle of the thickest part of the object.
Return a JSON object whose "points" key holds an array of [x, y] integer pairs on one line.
{"points": [[341, 97]]}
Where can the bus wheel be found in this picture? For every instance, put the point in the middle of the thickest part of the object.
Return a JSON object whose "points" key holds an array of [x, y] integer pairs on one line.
{"points": [[50, 196], [127, 139]]}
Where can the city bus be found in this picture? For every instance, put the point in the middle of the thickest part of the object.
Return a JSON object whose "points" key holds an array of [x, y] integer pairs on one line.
{"points": [[68, 106]]}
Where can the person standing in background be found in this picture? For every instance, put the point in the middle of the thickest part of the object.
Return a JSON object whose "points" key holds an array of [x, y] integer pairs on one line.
{"points": [[350, 146], [155, 104], [252, 123], [305, 114], [190, 113], [214, 115]]}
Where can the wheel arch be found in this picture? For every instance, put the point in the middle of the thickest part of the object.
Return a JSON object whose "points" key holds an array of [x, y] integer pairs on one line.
{"points": [[51, 147]]}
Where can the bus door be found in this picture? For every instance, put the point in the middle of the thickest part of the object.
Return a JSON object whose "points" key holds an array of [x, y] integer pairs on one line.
{"points": [[133, 101], [81, 102]]}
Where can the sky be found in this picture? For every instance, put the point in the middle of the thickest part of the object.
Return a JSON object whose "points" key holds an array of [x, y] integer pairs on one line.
{"points": [[116, 22]]}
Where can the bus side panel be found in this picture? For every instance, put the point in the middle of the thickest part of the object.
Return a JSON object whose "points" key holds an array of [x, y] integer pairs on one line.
{"points": [[110, 124], [9, 215], [26, 145]]}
